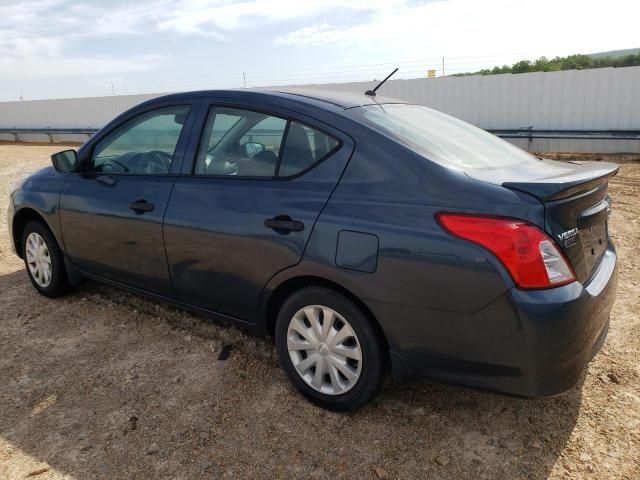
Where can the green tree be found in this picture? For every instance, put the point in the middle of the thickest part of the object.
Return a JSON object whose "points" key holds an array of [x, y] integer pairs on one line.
{"points": [[571, 62], [523, 66]]}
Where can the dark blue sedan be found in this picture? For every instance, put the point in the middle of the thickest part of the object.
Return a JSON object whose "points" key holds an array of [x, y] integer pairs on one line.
{"points": [[364, 234]]}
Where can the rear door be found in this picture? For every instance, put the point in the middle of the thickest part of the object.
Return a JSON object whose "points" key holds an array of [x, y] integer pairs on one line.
{"points": [[245, 207], [111, 214]]}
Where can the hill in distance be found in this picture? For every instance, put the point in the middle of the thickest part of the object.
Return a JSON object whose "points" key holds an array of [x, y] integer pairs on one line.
{"points": [[615, 53]]}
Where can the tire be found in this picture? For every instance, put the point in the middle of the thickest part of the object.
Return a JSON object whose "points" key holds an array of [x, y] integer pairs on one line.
{"points": [[299, 345], [37, 238]]}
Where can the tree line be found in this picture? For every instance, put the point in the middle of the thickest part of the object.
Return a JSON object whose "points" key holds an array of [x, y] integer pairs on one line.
{"points": [[571, 62]]}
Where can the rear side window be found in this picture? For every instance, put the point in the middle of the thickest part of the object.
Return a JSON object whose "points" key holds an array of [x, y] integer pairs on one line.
{"points": [[240, 143], [303, 147], [223, 121], [246, 143]]}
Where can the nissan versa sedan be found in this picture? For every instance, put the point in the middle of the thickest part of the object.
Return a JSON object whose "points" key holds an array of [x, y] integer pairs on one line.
{"points": [[365, 235]]}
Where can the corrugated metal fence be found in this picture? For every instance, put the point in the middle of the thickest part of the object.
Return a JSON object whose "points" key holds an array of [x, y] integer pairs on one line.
{"points": [[606, 99], [595, 105]]}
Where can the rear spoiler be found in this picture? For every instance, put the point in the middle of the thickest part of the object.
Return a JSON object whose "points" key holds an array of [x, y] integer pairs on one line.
{"points": [[568, 184]]}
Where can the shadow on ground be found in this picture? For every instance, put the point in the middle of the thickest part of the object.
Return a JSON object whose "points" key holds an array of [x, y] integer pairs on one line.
{"points": [[93, 387]]}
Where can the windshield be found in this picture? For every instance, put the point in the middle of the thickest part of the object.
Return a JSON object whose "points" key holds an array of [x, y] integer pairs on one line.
{"points": [[440, 137]]}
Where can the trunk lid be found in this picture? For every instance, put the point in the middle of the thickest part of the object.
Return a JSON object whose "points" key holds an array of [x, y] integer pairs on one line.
{"points": [[576, 201]]}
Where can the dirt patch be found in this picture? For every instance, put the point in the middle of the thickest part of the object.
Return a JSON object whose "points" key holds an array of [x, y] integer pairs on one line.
{"points": [[105, 384]]}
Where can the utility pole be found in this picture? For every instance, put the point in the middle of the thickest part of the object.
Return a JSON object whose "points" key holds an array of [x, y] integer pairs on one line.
{"points": [[244, 80], [443, 66], [113, 90]]}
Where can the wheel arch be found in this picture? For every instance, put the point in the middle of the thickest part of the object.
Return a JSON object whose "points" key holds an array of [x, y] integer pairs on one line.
{"points": [[20, 220], [285, 289]]}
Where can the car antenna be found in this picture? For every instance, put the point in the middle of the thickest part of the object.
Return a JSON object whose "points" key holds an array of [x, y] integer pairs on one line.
{"points": [[372, 93]]}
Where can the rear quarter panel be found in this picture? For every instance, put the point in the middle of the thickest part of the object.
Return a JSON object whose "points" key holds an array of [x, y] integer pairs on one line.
{"points": [[389, 192], [426, 283]]}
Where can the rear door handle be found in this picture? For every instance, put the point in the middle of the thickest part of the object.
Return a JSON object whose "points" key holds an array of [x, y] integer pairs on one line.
{"points": [[141, 206], [284, 224]]}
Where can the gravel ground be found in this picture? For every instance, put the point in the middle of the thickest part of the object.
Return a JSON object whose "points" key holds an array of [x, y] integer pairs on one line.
{"points": [[105, 384]]}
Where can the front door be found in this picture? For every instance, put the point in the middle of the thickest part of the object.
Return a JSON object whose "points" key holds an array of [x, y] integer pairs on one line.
{"points": [[246, 209], [111, 213]]}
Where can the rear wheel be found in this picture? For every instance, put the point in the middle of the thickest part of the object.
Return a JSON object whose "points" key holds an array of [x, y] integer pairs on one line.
{"points": [[329, 349], [43, 260]]}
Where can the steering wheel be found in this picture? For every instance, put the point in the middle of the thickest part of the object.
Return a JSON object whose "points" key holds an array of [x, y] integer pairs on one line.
{"points": [[108, 166], [220, 165], [157, 161]]}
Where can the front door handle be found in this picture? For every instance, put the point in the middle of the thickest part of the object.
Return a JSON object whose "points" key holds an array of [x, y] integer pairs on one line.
{"points": [[141, 206], [284, 224]]}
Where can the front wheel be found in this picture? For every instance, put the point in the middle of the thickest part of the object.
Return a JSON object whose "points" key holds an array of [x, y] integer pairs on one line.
{"points": [[329, 349], [43, 260]]}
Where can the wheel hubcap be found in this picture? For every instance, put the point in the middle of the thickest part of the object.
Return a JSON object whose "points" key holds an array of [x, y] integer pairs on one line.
{"points": [[38, 259], [324, 350]]}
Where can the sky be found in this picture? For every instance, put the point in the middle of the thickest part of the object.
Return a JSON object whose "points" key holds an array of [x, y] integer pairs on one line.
{"points": [[67, 48]]}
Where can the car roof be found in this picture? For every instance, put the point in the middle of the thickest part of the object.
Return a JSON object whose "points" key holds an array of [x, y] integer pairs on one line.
{"points": [[324, 98], [338, 98]]}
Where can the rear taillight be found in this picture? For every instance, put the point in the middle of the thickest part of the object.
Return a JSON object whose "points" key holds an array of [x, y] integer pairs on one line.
{"points": [[532, 258]]}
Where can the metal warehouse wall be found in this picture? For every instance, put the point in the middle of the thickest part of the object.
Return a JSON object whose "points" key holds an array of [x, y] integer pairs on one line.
{"points": [[598, 99], [603, 98], [90, 112]]}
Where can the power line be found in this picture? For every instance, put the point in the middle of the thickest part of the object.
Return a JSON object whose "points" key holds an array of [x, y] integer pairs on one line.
{"points": [[455, 64], [340, 73]]}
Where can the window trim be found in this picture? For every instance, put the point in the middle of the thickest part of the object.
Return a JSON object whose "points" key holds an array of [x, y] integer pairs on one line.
{"points": [[183, 138], [318, 161], [275, 177], [285, 135]]}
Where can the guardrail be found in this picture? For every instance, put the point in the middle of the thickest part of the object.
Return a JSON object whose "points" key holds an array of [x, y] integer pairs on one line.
{"points": [[531, 134], [527, 133], [16, 132]]}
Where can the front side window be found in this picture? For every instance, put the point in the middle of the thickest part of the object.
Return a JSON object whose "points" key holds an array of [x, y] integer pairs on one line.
{"points": [[440, 137], [240, 142], [145, 144]]}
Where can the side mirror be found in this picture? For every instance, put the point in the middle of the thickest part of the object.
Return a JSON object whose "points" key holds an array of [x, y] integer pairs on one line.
{"points": [[66, 161]]}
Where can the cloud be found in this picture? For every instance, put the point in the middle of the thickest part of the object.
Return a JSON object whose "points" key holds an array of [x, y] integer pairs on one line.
{"points": [[400, 23], [474, 28], [38, 66], [401, 14], [314, 35], [36, 37], [34, 40], [199, 16]]}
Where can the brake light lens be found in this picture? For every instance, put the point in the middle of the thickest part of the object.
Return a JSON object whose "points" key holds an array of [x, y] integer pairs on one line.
{"points": [[531, 257]]}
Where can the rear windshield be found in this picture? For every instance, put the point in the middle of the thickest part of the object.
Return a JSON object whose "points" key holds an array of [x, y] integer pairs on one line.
{"points": [[440, 137]]}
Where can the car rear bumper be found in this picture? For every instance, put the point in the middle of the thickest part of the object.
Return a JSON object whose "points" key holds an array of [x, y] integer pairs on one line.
{"points": [[530, 343]]}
